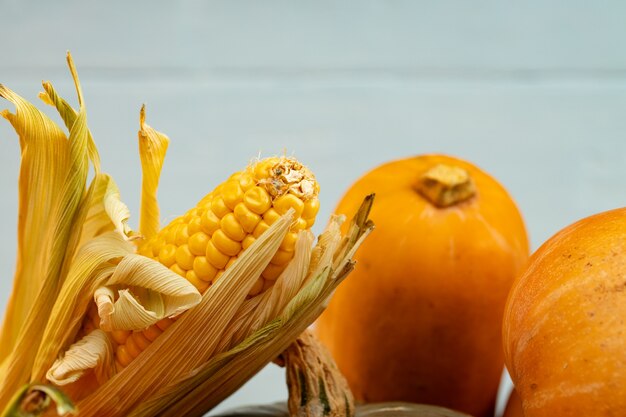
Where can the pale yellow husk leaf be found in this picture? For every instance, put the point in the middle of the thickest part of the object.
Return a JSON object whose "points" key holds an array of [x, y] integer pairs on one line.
{"points": [[53, 181], [150, 292], [94, 351], [152, 149], [44, 152], [106, 211]]}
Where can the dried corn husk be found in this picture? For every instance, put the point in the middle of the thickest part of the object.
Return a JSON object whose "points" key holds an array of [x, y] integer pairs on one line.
{"points": [[83, 249]]}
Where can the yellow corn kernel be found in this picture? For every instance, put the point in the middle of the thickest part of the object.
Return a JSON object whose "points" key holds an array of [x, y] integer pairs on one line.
{"points": [[152, 332], [281, 257], [163, 324], [178, 270], [170, 234], [229, 264], [283, 203], [247, 218], [299, 224], [122, 356], [257, 287], [272, 271], [232, 194], [218, 275], [210, 222], [248, 241], [205, 203], [132, 348], [140, 340], [310, 223], [93, 311], [271, 216], [215, 257], [260, 229], [289, 242], [182, 234], [184, 257], [200, 285], [96, 322], [198, 242], [257, 199], [195, 225], [267, 283], [262, 168], [232, 227], [225, 244], [157, 245], [88, 327], [246, 181], [120, 336], [167, 255], [145, 250], [219, 207], [203, 269], [190, 215], [311, 207]]}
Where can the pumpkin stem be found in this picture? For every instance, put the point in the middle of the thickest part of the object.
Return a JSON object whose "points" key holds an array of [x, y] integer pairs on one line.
{"points": [[316, 387], [446, 185]]}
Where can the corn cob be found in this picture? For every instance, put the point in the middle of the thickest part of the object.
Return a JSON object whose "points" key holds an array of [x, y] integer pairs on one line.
{"points": [[205, 241]]}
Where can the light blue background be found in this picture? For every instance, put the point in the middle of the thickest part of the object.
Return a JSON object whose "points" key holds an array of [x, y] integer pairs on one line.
{"points": [[533, 92]]}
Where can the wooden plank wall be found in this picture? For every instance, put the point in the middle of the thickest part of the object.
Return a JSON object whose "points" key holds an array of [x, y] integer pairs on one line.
{"points": [[534, 92]]}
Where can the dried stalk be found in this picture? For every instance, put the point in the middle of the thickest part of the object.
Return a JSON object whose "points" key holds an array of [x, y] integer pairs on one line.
{"points": [[316, 387]]}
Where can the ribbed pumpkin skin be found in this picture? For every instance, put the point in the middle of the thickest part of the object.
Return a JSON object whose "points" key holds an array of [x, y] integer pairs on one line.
{"points": [[565, 322], [419, 319]]}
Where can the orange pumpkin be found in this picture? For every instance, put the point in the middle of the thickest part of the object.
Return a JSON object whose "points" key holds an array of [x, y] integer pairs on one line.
{"points": [[513, 406], [419, 320], [564, 327]]}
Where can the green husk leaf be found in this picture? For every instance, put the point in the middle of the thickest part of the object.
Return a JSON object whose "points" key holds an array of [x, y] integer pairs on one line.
{"points": [[32, 400]]}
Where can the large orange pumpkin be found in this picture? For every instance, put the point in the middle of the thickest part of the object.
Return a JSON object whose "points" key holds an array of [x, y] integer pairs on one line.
{"points": [[420, 318], [565, 322]]}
